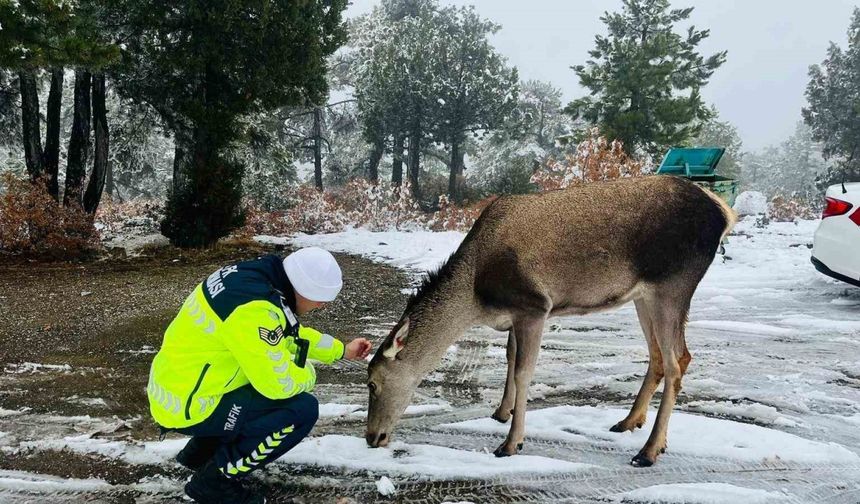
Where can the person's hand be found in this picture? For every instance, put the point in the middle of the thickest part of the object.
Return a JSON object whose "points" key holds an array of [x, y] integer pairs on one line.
{"points": [[357, 349]]}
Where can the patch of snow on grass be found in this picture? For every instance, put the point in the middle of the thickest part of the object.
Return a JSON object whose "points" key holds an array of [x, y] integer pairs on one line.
{"points": [[97, 402], [756, 412], [385, 487], [690, 434], [34, 367], [338, 410], [151, 452], [411, 410], [698, 493], [8, 413], [19, 481], [741, 327], [353, 454], [415, 250]]}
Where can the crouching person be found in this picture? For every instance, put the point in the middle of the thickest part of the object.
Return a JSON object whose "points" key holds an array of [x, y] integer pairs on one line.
{"points": [[234, 370]]}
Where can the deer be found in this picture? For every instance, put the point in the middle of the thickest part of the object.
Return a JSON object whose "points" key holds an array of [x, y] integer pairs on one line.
{"points": [[574, 251]]}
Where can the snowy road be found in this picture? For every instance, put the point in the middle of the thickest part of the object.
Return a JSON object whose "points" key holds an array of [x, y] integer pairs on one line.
{"points": [[770, 410]]}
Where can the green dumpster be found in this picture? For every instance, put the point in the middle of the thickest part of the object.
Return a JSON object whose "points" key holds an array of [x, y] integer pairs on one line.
{"points": [[698, 164]]}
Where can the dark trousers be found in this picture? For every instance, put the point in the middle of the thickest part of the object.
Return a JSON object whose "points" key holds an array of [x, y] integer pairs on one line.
{"points": [[255, 430]]}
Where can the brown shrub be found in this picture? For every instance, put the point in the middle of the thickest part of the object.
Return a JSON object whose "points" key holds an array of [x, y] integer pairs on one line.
{"points": [[33, 224], [130, 218], [377, 207], [453, 218], [359, 204], [783, 209], [315, 213], [595, 159]]}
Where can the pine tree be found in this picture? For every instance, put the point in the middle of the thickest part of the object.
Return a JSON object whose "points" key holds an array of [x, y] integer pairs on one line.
{"points": [[716, 133], [507, 158], [44, 37], [427, 75], [475, 90], [203, 65], [833, 93], [644, 78], [391, 64], [10, 118], [791, 169]]}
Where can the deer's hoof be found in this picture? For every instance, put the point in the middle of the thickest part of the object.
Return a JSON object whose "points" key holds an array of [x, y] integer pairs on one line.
{"points": [[619, 427], [501, 416], [508, 449], [642, 460], [625, 425]]}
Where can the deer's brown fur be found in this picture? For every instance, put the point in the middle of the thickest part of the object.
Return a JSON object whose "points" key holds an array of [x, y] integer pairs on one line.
{"points": [[576, 251]]}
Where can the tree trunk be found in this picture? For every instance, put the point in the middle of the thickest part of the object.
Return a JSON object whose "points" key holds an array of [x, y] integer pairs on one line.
{"points": [[51, 155], [32, 135], [317, 137], [373, 166], [397, 160], [93, 194], [76, 167], [455, 179], [414, 161], [110, 188], [182, 154]]}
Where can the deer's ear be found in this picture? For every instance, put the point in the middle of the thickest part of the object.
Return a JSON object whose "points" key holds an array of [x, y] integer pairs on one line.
{"points": [[397, 342]]}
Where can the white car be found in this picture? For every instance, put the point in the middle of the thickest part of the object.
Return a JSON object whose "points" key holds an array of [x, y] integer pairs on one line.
{"points": [[836, 248]]}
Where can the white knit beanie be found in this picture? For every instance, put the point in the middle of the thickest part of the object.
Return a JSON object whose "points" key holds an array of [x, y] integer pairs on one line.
{"points": [[314, 274]]}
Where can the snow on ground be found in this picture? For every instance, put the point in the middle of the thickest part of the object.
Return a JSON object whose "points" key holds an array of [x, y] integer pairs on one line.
{"points": [[353, 454], [356, 411], [27, 482], [689, 434], [750, 203], [150, 452], [336, 451], [337, 410], [758, 413], [385, 487], [698, 493], [414, 250]]}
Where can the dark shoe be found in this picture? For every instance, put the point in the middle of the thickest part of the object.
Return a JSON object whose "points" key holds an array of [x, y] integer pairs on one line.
{"points": [[198, 451], [209, 486]]}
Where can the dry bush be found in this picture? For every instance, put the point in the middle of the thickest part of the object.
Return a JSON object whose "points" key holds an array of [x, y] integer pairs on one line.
{"points": [[595, 159], [783, 209], [315, 213], [310, 212], [377, 207], [359, 204], [453, 218], [33, 224], [137, 217], [261, 222]]}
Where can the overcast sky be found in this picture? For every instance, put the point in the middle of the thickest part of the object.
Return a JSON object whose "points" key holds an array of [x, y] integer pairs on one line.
{"points": [[770, 45]]}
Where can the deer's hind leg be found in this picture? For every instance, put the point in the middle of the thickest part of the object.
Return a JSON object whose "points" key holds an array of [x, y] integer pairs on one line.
{"points": [[670, 320], [528, 331], [506, 407], [636, 418]]}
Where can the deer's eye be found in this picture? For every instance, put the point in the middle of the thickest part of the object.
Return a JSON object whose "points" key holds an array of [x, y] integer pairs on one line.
{"points": [[371, 386]]}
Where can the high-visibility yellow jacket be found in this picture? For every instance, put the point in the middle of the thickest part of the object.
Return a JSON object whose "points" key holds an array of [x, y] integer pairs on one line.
{"points": [[237, 327]]}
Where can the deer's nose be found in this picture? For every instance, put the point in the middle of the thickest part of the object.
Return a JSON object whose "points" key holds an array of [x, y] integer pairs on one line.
{"points": [[375, 440]]}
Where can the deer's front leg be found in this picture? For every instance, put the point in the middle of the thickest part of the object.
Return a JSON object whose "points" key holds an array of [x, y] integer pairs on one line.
{"points": [[506, 407], [527, 333]]}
